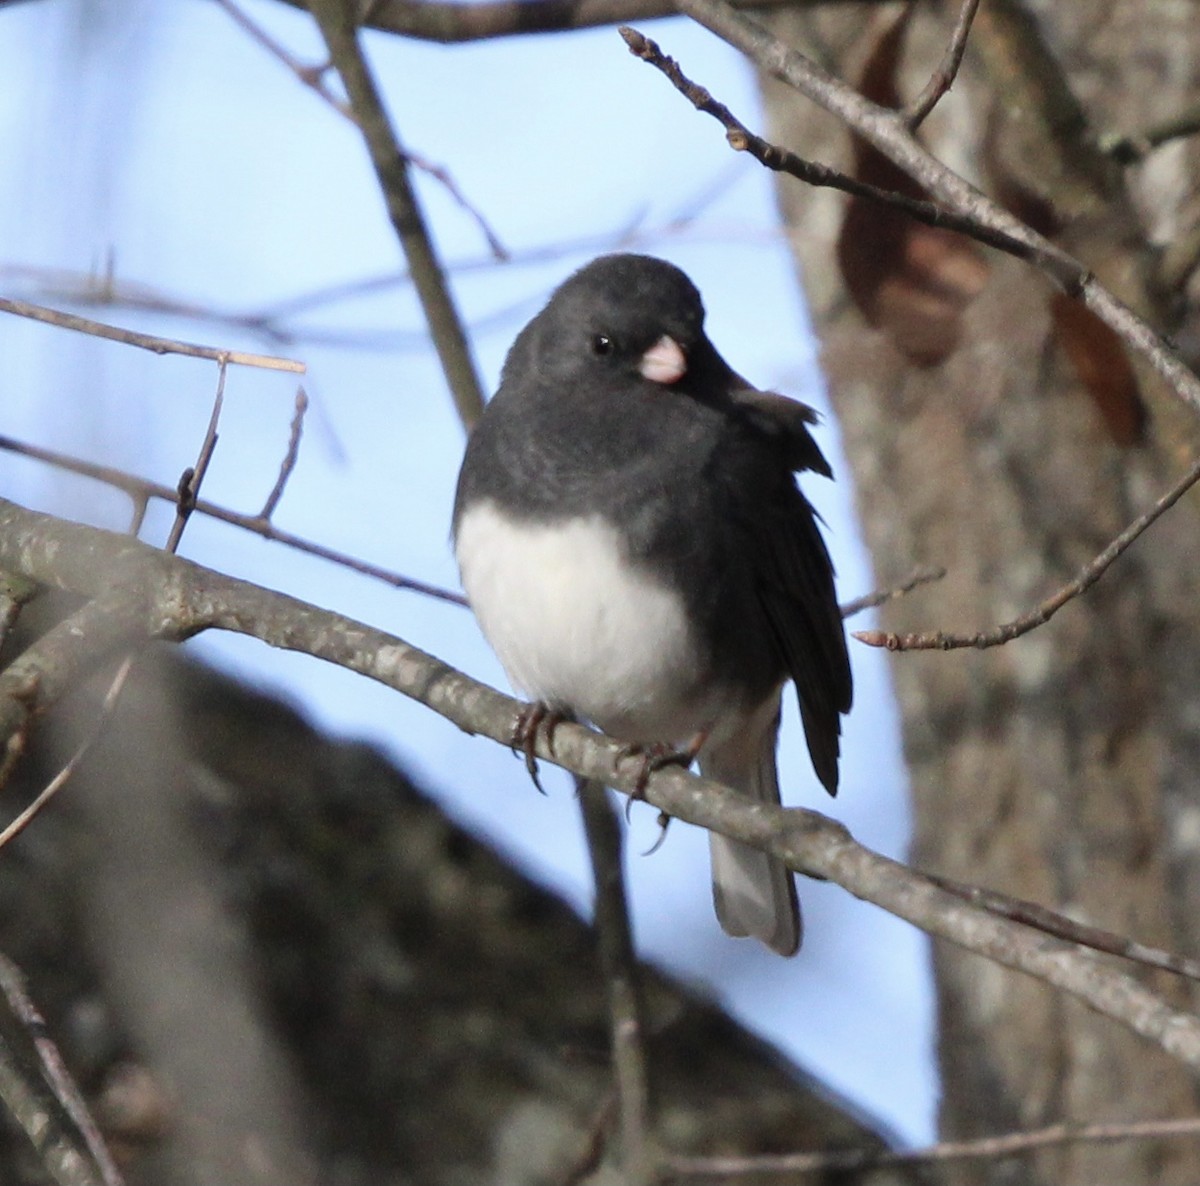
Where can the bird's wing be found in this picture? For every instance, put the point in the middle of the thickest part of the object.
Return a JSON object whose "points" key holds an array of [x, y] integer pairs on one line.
{"points": [[792, 572]]}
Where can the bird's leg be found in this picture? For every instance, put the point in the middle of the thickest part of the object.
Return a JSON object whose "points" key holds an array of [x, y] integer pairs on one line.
{"points": [[524, 735], [654, 756]]}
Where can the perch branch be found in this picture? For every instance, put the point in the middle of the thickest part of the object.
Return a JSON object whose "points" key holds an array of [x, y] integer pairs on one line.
{"points": [[148, 594]]}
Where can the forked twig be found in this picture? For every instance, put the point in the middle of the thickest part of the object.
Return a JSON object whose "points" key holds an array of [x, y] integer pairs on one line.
{"points": [[141, 490], [942, 79], [938, 640], [782, 160]]}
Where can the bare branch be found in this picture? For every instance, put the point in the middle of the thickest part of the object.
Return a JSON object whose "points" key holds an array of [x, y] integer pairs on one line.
{"points": [[193, 477], [782, 160], [887, 131], [1096, 938], [602, 826], [436, 20], [923, 576], [335, 18], [1087, 576], [290, 456], [141, 593], [984, 1148], [942, 79], [314, 78], [141, 490], [26, 815], [40, 1095], [129, 337]]}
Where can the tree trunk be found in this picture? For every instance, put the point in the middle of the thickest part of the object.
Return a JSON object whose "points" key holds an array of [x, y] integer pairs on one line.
{"points": [[1060, 767]]}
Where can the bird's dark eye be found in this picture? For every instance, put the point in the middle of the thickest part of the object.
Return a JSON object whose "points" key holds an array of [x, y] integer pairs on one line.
{"points": [[602, 344]]}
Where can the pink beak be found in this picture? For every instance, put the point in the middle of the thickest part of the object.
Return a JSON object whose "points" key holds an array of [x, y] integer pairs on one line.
{"points": [[664, 362]]}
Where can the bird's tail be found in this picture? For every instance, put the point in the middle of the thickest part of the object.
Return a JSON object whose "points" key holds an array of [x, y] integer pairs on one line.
{"points": [[754, 894]]}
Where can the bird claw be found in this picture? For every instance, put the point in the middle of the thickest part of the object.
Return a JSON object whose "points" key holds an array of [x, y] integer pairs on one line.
{"points": [[654, 756], [664, 822], [524, 735]]}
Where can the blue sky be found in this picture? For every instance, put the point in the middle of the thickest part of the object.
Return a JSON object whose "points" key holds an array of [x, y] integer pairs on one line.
{"points": [[160, 138]]}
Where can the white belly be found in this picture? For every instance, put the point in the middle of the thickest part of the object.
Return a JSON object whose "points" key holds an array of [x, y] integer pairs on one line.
{"points": [[577, 627]]}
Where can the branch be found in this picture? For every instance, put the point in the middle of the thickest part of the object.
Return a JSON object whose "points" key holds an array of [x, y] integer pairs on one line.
{"points": [[887, 131], [436, 20], [40, 1095], [942, 79], [602, 826], [850, 1161], [142, 489], [290, 456], [937, 640], [782, 160], [313, 77], [923, 576], [335, 18], [98, 329], [165, 597]]}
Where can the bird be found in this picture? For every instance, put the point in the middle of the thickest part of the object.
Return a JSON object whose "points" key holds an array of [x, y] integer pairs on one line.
{"points": [[633, 543]]}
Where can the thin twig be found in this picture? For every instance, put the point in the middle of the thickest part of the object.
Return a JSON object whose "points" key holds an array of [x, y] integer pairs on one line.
{"points": [[602, 826], [335, 18], [314, 78], [193, 477], [1052, 923], [591, 1150], [27, 814], [922, 576], [98, 329], [938, 640], [886, 131], [782, 160], [141, 490], [291, 455], [990, 1148], [942, 79], [39, 1094]]}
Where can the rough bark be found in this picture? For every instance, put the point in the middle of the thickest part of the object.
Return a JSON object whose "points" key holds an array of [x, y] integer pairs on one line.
{"points": [[1060, 767]]}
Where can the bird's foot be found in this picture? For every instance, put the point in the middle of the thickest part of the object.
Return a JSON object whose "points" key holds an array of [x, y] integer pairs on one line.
{"points": [[654, 756], [524, 735]]}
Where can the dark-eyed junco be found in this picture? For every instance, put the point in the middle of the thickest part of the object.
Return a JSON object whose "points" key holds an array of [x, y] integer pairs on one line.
{"points": [[637, 552]]}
